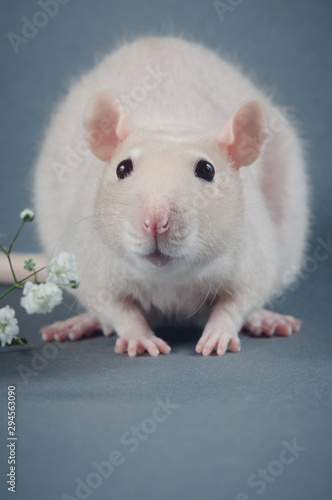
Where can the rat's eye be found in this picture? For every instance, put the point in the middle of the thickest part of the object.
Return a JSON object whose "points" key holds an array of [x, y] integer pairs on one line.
{"points": [[204, 170], [124, 168]]}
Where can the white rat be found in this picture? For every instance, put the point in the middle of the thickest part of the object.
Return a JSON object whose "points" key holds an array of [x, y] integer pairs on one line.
{"points": [[160, 173]]}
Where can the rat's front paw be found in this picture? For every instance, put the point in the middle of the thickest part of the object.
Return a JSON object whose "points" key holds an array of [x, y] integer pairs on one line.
{"points": [[73, 328], [139, 343], [265, 322], [218, 337]]}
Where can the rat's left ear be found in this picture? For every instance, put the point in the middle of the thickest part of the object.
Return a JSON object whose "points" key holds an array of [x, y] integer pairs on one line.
{"points": [[244, 134], [105, 124]]}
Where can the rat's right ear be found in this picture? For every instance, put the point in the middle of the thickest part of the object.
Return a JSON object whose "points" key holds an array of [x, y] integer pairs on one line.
{"points": [[105, 124], [244, 134]]}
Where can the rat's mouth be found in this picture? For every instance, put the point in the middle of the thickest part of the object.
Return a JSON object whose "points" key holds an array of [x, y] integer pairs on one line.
{"points": [[158, 258]]}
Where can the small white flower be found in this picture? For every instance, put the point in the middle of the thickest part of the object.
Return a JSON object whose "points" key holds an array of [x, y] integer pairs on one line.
{"points": [[62, 270], [8, 325], [40, 298], [27, 215]]}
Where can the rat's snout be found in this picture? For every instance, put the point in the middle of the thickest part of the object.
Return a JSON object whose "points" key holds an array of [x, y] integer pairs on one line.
{"points": [[160, 227], [155, 216], [155, 225]]}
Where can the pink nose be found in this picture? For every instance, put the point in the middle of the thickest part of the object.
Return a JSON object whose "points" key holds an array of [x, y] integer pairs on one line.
{"points": [[152, 225]]}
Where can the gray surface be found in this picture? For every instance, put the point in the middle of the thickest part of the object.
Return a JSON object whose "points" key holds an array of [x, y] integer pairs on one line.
{"points": [[234, 412]]}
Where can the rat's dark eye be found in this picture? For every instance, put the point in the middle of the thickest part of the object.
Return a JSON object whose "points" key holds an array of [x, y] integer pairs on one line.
{"points": [[204, 170], [124, 168]]}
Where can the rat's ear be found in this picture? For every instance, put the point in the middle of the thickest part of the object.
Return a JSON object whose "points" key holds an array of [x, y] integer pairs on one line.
{"points": [[244, 134], [105, 124]]}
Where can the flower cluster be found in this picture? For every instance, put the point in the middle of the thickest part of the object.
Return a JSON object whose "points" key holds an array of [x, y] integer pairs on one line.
{"points": [[37, 297], [40, 298], [8, 325], [43, 297], [62, 270]]}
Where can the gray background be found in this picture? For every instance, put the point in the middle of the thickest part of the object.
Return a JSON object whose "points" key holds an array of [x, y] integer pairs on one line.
{"points": [[233, 412]]}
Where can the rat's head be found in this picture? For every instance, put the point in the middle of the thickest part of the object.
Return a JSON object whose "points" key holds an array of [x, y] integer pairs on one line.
{"points": [[171, 201]]}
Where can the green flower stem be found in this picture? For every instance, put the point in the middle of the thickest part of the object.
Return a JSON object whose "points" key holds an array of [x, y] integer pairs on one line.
{"points": [[11, 268], [32, 274], [7, 252], [15, 237], [9, 290], [19, 284]]}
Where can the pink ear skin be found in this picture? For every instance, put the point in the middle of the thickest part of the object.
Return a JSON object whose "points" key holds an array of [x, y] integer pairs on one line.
{"points": [[244, 134], [105, 124]]}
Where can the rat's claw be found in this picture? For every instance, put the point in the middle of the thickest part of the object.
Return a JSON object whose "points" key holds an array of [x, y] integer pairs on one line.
{"points": [[107, 331], [162, 346], [132, 348], [120, 346], [151, 347], [201, 343], [211, 343], [219, 339], [235, 344], [151, 344]]}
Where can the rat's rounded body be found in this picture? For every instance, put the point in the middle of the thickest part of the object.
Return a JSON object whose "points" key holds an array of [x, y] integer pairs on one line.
{"points": [[158, 235]]}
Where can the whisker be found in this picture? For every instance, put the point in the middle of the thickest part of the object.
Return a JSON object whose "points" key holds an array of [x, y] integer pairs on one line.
{"points": [[203, 302]]}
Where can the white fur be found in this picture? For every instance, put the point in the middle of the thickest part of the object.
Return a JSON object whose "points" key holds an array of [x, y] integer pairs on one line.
{"points": [[236, 244]]}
